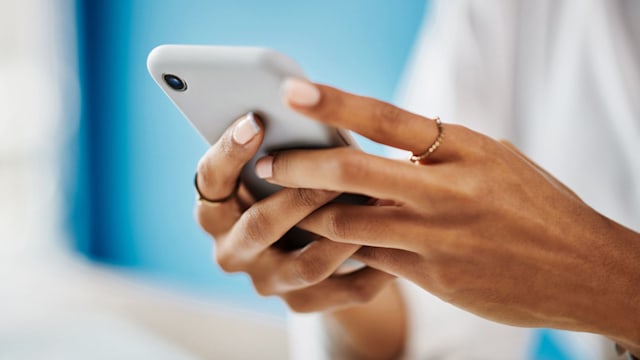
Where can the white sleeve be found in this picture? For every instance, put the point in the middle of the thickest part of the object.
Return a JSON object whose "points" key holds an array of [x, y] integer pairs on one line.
{"points": [[463, 64], [307, 337], [437, 330]]}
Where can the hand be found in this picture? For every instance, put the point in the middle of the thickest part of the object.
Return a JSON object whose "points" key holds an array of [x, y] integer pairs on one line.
{"points": [[244, 231], [479, 224]]}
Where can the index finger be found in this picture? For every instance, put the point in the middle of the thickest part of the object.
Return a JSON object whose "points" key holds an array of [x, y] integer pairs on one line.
{"points": [[374, 119], [218, 173], [220, 167], [348, 170]]}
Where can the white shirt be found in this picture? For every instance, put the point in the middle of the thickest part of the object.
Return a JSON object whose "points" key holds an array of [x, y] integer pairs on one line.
{"points": [[561, 80]]}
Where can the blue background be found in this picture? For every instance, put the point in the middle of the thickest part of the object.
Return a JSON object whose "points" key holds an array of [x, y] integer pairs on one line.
{"points": [[131, 196]]}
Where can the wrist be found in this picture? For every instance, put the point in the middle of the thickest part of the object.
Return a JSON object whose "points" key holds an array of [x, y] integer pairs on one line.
{"points": [[620, 304]]}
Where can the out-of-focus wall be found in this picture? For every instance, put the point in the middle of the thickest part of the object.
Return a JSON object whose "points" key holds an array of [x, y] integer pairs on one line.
{"points": [[38, 99], [38, 113]]}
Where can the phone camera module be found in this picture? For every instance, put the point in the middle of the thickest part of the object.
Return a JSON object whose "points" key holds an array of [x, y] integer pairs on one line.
{"points": [[175, 82]]}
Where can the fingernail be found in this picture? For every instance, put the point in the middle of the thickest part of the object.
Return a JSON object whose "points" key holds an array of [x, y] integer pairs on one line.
{"points": [[300, 92], [264, 167], [246, 129]]}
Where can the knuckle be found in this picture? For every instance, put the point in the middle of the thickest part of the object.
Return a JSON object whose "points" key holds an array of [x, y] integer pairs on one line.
{"points": [[460, 134], [308, 271], [349, 167], [255, 221], [211, 178], [386, 114], [483, 146], [376, 255], [338, 226], [309, 198], [387, 117], [281, 165], [486, 147]]}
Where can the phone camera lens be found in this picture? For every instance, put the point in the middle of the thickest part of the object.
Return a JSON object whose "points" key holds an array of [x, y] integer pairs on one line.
{"points": [[175, 82]]}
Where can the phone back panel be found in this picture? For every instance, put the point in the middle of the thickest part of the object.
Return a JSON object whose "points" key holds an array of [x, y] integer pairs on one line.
{"points": [[225, 82]]}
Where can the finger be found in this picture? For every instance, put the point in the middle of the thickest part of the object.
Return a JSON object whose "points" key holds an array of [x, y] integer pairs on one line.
{"points": [[276, 272], [217, 219], [245, 198], [358, 287], [219, 168], [265, 222], [349, 170], [388, 227], [218, 172], [392, 261], [374, 119]]}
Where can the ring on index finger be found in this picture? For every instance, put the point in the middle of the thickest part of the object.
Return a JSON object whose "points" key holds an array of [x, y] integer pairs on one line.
{"points": [[204, 200], [416, 159]]}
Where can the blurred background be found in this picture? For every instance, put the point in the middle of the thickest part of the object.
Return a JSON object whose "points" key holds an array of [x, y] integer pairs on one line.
{"points": [[100, 256]]}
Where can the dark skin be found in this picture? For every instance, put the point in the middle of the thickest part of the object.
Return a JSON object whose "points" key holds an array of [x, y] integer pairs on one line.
{"points": [[479, 225]]}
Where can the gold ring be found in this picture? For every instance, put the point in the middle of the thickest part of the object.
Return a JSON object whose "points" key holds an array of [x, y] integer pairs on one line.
{"points": [[417, 158], [203, 199]]}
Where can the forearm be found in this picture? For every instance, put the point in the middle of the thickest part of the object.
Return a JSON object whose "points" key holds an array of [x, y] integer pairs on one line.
{"points": [[376, 330]]}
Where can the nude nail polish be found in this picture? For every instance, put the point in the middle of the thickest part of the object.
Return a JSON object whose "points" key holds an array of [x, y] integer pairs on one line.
{"points": [[264, 167], [300, 92], [246, 129]]}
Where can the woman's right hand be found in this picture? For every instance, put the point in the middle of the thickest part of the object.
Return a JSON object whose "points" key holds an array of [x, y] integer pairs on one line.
{"points": [[244, 231]]}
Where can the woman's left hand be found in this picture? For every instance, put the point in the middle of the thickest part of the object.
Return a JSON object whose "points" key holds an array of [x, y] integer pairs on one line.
{"points": [[479, 224]]}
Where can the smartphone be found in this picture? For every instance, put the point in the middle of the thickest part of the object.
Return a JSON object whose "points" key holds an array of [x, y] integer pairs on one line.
{"points": [[215, 85]]}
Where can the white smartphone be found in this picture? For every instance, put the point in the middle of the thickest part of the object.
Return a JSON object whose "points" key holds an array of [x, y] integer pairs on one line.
{"points": [[215, 85]]}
